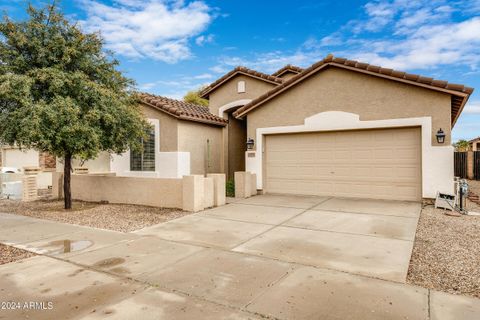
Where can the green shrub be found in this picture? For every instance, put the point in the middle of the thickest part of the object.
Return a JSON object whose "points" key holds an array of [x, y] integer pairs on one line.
{"points": [[230, 188]]}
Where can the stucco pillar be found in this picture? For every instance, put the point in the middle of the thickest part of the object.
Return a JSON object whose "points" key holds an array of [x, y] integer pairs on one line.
{"points": [[253, 184], [243, 184], [57, 185], [208, 193], [470, 173], [219, 196], [193, 193]]}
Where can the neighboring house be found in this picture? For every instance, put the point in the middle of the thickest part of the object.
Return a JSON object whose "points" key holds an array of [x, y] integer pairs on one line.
{"points": [[16, 158], [475, 144], [185, 139], [13, 157], [339, 128]]}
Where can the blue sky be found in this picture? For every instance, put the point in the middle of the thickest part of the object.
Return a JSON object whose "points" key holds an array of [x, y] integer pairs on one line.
{"points": [[172, 46]]}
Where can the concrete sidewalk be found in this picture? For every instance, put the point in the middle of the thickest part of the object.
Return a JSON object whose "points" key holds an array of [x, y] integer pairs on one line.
{"points": [[221, 264]]}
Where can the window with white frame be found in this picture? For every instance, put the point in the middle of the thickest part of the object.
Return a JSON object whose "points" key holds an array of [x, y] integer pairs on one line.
{"points": [[241, 87], [144, 160]]}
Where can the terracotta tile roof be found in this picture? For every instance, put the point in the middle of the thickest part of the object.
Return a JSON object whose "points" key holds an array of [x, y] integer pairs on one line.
{"points": [[287, 68], [182, 110], [475, 139], [459, 93], [240, 70]]}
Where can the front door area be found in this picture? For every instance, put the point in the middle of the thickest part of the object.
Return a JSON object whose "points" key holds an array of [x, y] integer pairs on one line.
{"points": [[237, 137]]}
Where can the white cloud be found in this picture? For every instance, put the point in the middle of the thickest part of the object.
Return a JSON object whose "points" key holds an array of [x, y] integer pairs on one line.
{"points": [[400, 34], [156, 29], [147, 86], [472, 108], [418, 35], [218, 69], [429, 46], [203, 76], [202, 40], [175, 86], [266, 62], [380, 13]]}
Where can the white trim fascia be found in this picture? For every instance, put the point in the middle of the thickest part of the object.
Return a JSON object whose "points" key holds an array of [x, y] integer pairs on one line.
{"points": [[231, 105], [437, 161]]}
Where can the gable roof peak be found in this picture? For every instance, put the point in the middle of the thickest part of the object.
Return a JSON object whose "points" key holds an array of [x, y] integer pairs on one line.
{"points": [[287, 68], [328, 58], [181, 109], [242, 70], [460, 93]]}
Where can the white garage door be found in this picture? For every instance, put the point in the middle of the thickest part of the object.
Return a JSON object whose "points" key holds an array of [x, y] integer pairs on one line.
{"points": [[377, 164]]}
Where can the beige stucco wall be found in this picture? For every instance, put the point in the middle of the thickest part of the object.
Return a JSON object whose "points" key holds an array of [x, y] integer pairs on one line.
{"points": [[176, 136], [288, 75], [168, 128], [128, 190], [14, 157], [227, 92], [475, 145], [192, 137], [370, 97], [101, 164]]}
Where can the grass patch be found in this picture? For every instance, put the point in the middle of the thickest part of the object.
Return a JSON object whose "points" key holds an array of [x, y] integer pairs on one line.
{"points": [[230, 188]]}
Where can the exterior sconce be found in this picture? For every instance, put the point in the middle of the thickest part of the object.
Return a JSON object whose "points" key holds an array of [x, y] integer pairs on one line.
{"points": [[440, 136], [250, 143]]}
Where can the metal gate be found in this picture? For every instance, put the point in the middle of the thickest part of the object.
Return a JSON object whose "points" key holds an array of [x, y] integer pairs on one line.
{"points": [[460, 162], [476, 165]]}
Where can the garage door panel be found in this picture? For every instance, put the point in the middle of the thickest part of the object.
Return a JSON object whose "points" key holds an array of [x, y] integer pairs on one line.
{"points": [[362, 154], [358, 173], [407, 173], [384, 164], [292, 172], [304, 156], [325, 155], [343, 155]]}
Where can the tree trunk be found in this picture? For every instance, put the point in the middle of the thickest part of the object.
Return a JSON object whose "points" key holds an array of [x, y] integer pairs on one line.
{"points": [[67, 192]]}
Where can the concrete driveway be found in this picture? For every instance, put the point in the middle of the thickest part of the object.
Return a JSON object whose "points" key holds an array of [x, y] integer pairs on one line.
{"points": [[366, 237], [282, 257]]}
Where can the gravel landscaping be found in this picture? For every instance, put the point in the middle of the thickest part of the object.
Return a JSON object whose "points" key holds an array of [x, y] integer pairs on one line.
{"points": [[10, 254], [118, 217], [475, 188], [446, 253]]}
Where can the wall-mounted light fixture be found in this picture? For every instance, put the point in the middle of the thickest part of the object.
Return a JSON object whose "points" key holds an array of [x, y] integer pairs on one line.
{"points": [[250, 143], [440, 136]]}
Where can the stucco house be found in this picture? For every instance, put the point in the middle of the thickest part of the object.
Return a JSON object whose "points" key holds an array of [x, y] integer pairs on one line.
{"points": [[185, 139], [475, 144], [339, 128], [11, 157]]}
